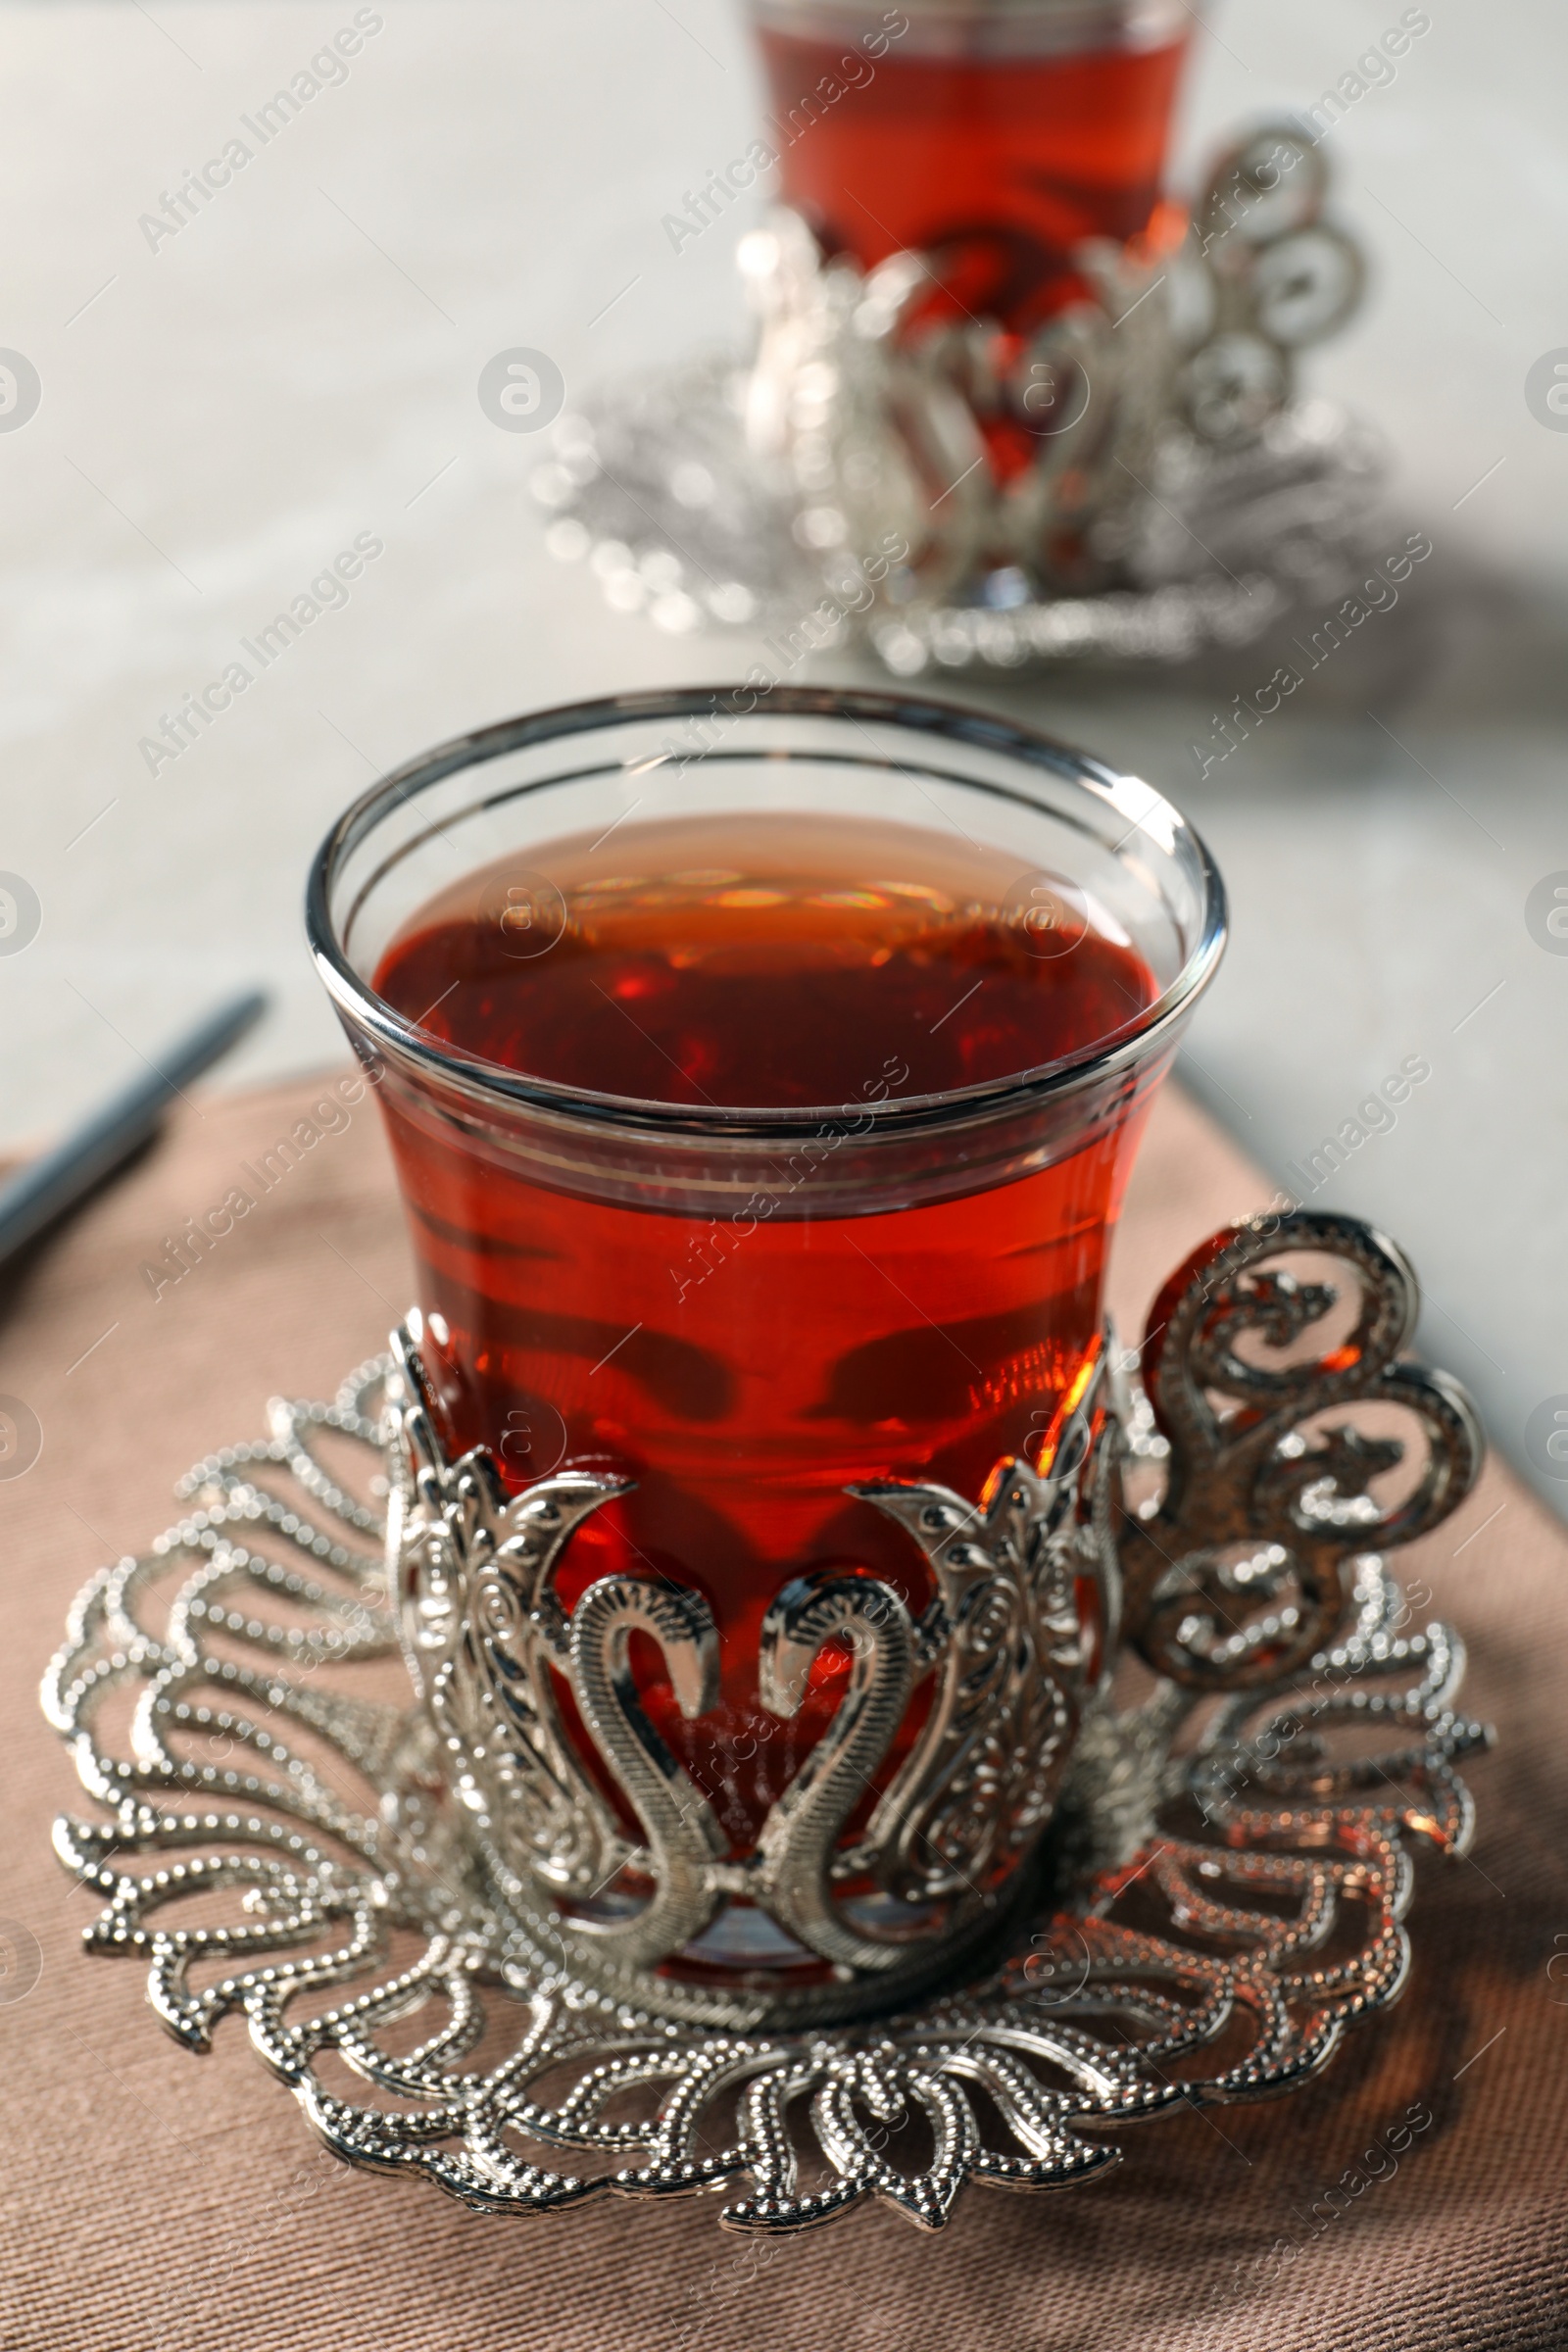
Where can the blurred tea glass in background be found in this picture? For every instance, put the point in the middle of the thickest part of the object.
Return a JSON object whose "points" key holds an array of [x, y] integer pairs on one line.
{"points": [[996, 136]]}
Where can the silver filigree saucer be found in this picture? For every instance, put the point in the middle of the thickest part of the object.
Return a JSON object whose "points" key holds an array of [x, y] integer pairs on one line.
{"points": [[1219, 1897]]}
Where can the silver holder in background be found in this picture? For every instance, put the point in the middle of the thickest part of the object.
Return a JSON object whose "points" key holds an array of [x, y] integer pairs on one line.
{"points": [[840, 489], [1214, 1891]]}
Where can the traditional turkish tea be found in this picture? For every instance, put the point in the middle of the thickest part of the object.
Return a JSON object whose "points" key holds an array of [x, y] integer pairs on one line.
{"points": [[746, 1367], [993, 138]]}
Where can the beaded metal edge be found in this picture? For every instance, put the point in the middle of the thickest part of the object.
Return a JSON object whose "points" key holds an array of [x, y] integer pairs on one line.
{"points": [[1226, 1898]]}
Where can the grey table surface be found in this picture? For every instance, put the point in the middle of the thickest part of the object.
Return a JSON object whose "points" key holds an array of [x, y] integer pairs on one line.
{"points": [[224, 410]]}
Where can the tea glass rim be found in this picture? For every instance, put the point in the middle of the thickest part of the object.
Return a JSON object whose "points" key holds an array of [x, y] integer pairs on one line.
{"points": [[959, 30], [489, 1082]]}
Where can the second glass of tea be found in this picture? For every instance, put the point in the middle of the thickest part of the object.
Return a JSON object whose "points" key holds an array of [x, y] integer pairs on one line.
{"points": [[763, 1071], [995, 136]]}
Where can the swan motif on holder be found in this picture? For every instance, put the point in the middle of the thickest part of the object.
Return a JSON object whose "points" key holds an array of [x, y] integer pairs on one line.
{"points": [[683, 1837], [798, 1842], [490, 1643], [1017, 1639]]}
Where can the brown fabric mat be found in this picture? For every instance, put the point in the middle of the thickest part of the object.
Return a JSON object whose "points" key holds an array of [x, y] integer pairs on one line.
{"points": [[152, 2199]]}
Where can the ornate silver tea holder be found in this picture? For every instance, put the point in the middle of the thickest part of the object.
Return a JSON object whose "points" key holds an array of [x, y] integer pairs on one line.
{"points": [[1174, 492], [1208, 1896]]}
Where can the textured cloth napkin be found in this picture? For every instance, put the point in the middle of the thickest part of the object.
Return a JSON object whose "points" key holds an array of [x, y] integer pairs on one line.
{"points": [[152, 2199]]}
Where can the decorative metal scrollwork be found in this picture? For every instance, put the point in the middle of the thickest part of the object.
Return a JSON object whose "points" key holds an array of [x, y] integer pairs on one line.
{"points": [[1246, 1476], [883, 416], [1157, 1966], [798, 1843], [683, 1837], [1011, 1669], [1016, 1663]]}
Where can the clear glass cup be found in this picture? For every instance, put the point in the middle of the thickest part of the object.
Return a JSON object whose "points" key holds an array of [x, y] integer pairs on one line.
{"points": [[995, 136], [751, 1311]]}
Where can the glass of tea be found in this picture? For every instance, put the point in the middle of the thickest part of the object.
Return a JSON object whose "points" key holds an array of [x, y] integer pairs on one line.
{"points": [[994, 135], [763, 1071]]}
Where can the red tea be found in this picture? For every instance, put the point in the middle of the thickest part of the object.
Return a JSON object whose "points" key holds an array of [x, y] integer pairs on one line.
{"points": [[999, 166], [746, 1369]]}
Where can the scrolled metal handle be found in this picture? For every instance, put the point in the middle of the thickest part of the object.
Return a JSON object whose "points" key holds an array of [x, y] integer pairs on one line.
{"points": [[1242, 1469]]}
